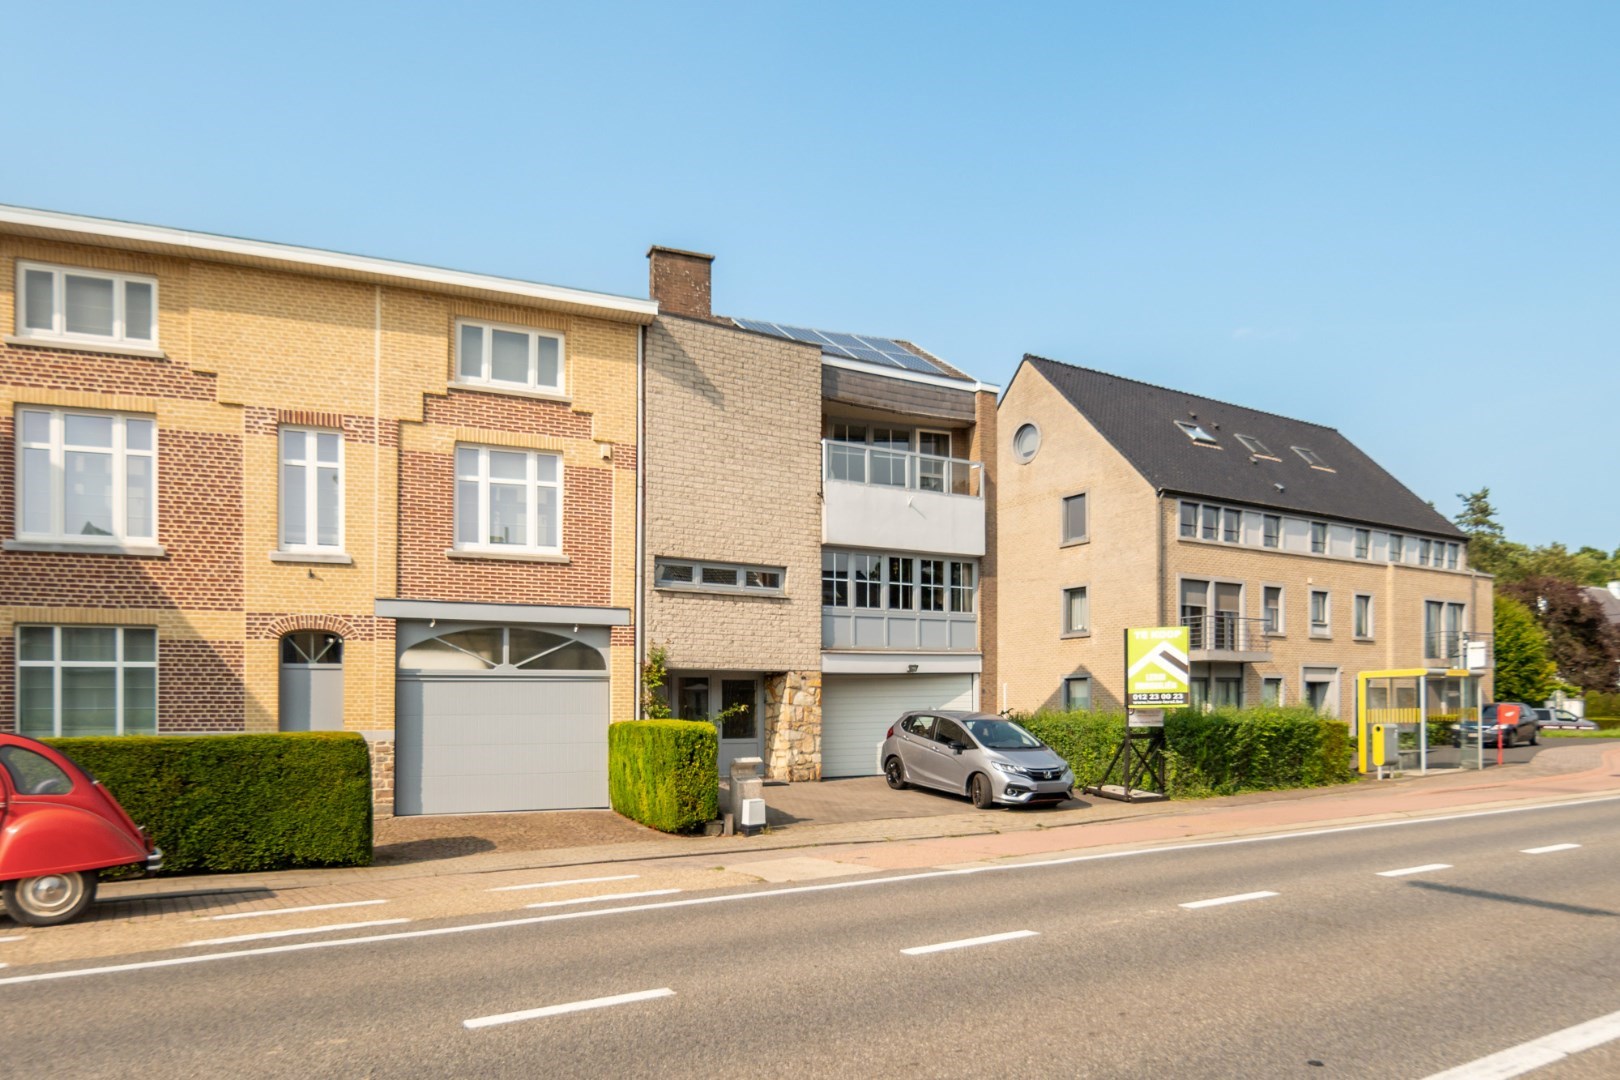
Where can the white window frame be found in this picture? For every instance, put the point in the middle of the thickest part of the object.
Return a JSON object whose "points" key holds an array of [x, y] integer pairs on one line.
{"points": [[58, 448], [1069, 631], [311, 466], [1196, 432], [56, 664], [58, 330], [486, 374], [1369, 631], [1281, 629], [1257, 448], [1323, 629], [740, 571], [532, 485]]}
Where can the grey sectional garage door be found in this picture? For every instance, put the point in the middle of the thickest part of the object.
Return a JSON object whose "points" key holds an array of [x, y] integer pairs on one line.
{"points": [[856, 711], [480, 743]]}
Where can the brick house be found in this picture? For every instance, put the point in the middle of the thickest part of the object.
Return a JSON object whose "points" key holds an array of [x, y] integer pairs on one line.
{"points": [[817, 523], [1293, 558], [256, 487]]}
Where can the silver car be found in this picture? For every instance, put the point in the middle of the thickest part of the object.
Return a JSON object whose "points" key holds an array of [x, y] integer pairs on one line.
{"points": [[985, 757]]}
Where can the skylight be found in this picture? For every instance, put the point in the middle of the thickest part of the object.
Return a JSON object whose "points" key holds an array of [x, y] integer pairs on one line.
{"points": [[1196, 432], [1255, 446], [1311, 458]]}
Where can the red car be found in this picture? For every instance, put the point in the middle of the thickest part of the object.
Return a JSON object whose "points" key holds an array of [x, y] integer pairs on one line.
{"points": [[58, 826]]}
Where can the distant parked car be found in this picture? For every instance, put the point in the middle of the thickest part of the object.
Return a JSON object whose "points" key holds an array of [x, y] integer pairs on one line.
{"points": [[1524, 730], [987, 758], [58, 826], [1563, 718]]}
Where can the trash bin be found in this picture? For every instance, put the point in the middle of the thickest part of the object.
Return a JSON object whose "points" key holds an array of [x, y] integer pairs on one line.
{"points": [[747, 795]]}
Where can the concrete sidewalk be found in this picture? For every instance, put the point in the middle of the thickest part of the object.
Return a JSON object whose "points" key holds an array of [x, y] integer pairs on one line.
{"points": [[163, 913]]}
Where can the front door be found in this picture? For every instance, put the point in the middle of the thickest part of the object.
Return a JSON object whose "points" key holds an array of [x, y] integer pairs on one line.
{"points": [[731, 703], [311, 690]]}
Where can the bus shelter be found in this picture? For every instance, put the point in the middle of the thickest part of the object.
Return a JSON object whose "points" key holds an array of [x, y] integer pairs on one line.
{"points": [[1394, 711]]}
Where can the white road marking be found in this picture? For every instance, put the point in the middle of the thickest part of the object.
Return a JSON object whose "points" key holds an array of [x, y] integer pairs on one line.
{"points": [[1424, 869], [570, 1007], [604, 896], [1548, 848], [1538, 1053], [295, 910], [966, 943], [295, 932], [555, 884], [1219, 900], [765, 894]]}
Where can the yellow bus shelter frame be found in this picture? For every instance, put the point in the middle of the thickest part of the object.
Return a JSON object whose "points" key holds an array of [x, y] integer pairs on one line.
{"points": [[1401, 696]]}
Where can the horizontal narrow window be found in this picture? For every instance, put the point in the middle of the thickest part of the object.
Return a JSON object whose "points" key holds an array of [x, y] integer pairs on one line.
{"points": [[509, 356], [716, 577], [86, 305]]}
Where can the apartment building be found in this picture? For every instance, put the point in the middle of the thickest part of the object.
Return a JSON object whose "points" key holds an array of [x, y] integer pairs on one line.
{"points": [[256, 487], [1292, 557], [819, 523]]}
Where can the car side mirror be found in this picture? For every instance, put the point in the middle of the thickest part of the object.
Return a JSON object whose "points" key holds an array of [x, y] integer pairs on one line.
{"points": [[957, 747]]}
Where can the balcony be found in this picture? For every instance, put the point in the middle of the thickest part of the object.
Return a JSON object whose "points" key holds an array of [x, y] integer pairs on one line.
{"points": [[1228, 637], [909, 631], [899, 500]]}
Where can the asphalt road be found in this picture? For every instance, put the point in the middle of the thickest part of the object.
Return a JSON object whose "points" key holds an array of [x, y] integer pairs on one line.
{"points": [[1337, 971]]}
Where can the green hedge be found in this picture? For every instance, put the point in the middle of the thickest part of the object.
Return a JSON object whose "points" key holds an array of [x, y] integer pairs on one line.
{"points": [[240, 802], [1216, 753], [1602, 703], [665, 773]]}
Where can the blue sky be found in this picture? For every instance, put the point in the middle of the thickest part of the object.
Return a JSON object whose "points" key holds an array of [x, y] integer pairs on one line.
{"points": [[1397, 219]]}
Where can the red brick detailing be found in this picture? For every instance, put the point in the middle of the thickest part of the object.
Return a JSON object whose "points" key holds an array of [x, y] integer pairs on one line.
{"points": [[427, 501], [199, 523], [257, 420], [624, 456], [274, 626], [60, 368], [199, 685], [624, 636], [505, 412]]}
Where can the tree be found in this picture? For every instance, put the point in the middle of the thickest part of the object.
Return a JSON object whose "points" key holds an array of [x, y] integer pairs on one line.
{"points": [[1524, 671], [1581, 641], [1489, 551]]}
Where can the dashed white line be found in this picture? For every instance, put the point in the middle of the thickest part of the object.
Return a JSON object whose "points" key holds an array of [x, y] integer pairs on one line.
{"points": [[267, 935], [967, 943], [1424, 869], [570, 1007], [1549, 848], [1538, 1053], [295, 910], [1238, 899], [572, 881], [604, 896]]}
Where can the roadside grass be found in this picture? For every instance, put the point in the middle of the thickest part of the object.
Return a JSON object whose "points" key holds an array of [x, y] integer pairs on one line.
{"points": [[1563, 733]]}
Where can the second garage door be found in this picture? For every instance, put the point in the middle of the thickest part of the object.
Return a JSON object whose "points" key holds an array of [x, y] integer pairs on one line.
{"points": [[856, 711]]}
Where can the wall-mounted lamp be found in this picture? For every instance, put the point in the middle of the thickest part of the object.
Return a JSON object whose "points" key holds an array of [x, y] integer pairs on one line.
{"points": [[911, 669]]}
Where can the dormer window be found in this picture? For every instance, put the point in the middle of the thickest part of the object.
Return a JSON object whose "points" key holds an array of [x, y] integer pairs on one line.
{"points": [[1311, 458], [1256, 447], [1196, 432]]}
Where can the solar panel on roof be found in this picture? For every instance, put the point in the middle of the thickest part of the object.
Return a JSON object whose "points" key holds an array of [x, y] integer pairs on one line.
{"points": [[872, 350], [758, 327]]}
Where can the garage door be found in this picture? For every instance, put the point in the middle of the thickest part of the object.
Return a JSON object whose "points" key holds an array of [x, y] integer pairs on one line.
{"points": [[483, 723], [856, 711]]}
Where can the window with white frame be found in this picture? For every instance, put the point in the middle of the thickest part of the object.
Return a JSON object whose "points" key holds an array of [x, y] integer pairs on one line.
{"points": [[1311, 458], [686, 574], [1363, 616], [896, 582], [1076, 611], [1256, 447], [86, 680], [1196, 433], [508, 500], [1319, 613], [1077, 693], [311, 490], [86, 477], [509, 356], [86, 305]]}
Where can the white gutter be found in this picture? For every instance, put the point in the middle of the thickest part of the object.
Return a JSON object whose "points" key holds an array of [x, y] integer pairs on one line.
{"points": [[106, 229], [967, 385], [638, 607]]}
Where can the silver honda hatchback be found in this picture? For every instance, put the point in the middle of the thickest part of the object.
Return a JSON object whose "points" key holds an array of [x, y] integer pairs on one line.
{"points": [[988, 758]]}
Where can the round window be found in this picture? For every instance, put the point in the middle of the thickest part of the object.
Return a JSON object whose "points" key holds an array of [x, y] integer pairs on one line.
{"points": [[1026, 440]]}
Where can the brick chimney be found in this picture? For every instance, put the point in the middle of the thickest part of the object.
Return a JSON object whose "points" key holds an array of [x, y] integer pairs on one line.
{"points": [[679, 281]]}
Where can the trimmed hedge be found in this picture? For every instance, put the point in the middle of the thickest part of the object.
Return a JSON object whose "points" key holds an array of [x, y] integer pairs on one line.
{"points": [[240, 802], [1222, 752], [665, 773]]}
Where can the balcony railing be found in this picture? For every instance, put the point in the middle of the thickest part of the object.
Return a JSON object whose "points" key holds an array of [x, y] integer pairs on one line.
{"points": [[1451, 645], [1225, 631], [876, 466]]}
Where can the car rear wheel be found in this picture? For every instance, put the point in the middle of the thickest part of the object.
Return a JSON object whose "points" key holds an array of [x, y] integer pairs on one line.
{"points": [[1535, 737], [50, 898], [895, 774], [984, 796], [1508, 742]]}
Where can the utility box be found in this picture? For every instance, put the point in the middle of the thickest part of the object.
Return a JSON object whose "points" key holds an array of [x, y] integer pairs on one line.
{"points": [[748, 794], [1386, 748]]}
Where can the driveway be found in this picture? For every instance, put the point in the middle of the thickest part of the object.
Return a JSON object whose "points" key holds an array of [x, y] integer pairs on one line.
{"points": [[864, 798]]}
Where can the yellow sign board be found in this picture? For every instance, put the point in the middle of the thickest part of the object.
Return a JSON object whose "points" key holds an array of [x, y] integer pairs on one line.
{"points": [[1156, 668]]}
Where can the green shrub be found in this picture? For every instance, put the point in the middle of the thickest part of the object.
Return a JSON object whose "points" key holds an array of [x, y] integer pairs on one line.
{"points": [[1603, 703], [1216, 753], [664, 773], [240, 802]]}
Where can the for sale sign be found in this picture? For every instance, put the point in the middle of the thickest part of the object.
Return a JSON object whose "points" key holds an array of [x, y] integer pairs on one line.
{"points": [[1156, 667]]}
